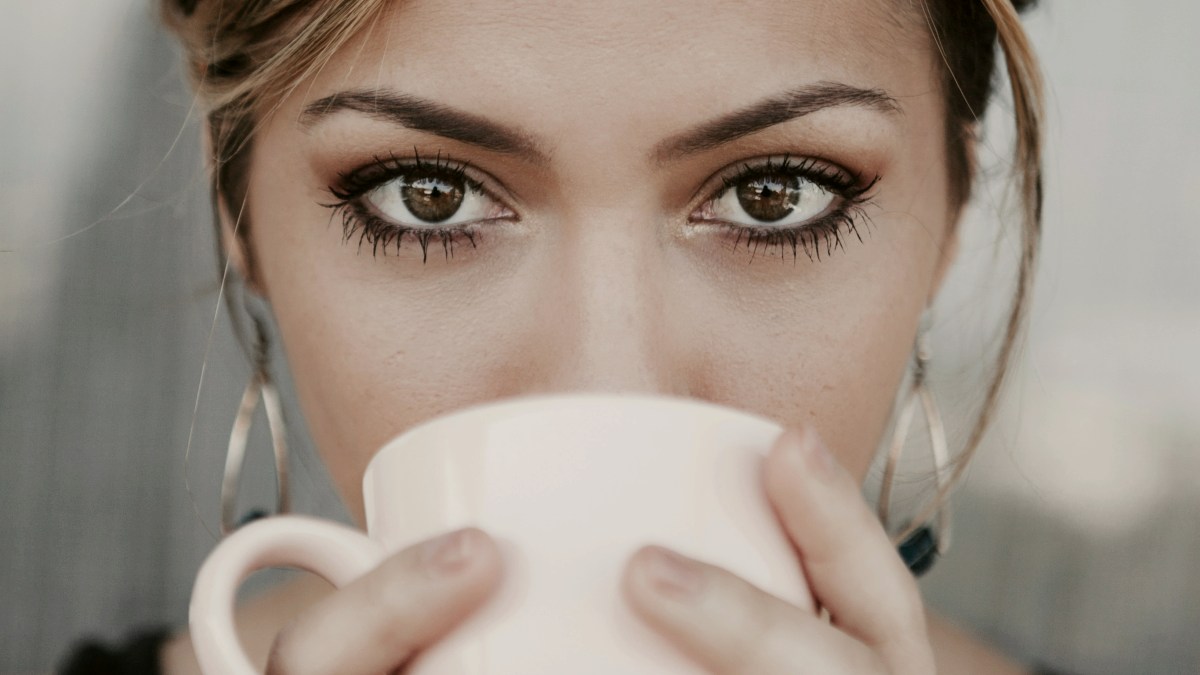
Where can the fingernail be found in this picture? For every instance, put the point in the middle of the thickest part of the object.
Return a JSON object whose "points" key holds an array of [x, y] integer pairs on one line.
{"points": [[671, 574], [449, 553]]}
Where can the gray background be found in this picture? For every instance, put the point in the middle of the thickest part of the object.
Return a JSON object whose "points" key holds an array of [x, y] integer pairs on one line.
{"points": [[1077, 530]]}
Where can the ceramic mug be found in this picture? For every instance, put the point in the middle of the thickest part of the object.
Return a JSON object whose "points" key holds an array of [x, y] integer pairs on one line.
{"points": [[569, 486]]}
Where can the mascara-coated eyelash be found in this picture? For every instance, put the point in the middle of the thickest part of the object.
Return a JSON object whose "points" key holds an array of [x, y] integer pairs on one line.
{"points": [[798, 205], [805, 205], [391, 199]]}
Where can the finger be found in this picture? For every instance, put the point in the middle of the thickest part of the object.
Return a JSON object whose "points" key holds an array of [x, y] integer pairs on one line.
{"points": [[731, 627], [375, 623], [852, 567]]}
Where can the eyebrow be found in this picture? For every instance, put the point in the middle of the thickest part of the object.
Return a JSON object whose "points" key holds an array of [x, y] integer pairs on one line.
{"points": [[424, 115], [793, 104]]}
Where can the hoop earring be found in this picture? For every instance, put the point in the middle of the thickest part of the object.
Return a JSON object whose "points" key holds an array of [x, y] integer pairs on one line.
{"points": [[260, 386], [920, 547]]}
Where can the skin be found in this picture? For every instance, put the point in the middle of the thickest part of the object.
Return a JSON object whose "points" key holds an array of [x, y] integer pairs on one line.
{"points": [[602, 282], [603, 287]]}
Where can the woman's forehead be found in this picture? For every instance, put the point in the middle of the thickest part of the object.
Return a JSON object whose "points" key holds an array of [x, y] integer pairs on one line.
{"points": [[586, 53]]}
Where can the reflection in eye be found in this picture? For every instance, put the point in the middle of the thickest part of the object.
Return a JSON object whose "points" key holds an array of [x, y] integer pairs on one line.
{"points": [[782, 206], [777, 199], [391, 199], [420, 196]]}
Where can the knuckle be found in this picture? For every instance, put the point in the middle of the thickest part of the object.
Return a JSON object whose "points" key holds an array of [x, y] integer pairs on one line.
{"points": [[752, 625], [390, 588], [393, 596], [406, 598]]}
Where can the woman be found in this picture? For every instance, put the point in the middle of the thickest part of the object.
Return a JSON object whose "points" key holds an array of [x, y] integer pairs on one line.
{"points": [[751, 203]]}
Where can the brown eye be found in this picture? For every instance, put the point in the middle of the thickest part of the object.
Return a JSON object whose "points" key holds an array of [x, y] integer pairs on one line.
{"points": [[433, 199], [769, 198], [422, 197]]}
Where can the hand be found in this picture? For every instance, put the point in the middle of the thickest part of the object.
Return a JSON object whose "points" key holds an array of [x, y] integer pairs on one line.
{"points": [[376, 623], [731, 627]]}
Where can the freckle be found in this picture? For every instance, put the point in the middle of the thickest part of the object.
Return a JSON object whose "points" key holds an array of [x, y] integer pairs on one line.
{"points": [[827, 387]]}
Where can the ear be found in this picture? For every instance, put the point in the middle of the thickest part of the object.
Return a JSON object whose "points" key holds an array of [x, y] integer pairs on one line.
{"points": [[233, 242], [233, 245], [948, 250], [947, 253]]}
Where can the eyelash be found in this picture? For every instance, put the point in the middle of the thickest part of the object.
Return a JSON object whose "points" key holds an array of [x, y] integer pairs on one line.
{"points": [[826, 232], [379, 233]]}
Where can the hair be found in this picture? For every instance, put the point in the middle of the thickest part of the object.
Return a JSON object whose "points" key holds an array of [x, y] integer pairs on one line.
{"points": [[244, 57]]}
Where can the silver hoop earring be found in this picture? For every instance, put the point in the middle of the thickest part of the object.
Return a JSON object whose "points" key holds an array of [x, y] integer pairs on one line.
{"points": [[921, 546], [260, 386]]}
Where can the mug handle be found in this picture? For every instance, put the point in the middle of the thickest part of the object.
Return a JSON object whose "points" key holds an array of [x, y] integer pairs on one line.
{"points": [[338, 553]]}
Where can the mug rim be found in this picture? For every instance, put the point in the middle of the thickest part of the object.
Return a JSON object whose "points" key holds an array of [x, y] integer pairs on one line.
{"points": [[565, 399]]}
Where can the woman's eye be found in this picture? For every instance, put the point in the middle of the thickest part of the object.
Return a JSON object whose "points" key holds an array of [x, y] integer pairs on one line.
{"points": [[431, 197], [776, 199]]}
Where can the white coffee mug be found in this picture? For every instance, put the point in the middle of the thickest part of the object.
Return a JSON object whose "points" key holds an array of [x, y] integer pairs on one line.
{"points": [[570, 486]]}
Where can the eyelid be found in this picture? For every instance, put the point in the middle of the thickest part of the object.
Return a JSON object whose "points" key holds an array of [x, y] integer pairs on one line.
{"points": [[357, 182], [841, 181], [836, 178]]}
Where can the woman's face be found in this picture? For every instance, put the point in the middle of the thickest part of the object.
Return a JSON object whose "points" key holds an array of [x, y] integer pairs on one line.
{"points": [[744, 202]]}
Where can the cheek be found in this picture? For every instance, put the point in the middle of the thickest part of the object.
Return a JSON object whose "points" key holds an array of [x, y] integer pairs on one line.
{"points": [[369, 361], [827, 349], [364, 375]]}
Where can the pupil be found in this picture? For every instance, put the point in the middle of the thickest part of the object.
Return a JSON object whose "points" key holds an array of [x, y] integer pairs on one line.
{"points": [[433, 199], [769, 198]]}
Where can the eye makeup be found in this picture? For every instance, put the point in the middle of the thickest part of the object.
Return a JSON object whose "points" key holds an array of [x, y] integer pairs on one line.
{"points": [[772, 194], [778, 202], [391, 199]]}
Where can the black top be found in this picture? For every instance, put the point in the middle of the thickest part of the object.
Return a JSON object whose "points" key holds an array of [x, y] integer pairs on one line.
{"points": [[139, 655]]}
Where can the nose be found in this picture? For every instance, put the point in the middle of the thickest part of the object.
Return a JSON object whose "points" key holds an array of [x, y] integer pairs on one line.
{"points": [[606, 323]]}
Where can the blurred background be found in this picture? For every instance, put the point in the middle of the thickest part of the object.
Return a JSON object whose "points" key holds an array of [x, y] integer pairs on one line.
{"points": [[1077, 530]]}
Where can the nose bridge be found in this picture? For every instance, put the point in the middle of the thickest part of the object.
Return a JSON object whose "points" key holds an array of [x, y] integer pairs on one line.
{"points": [[608, 294]]}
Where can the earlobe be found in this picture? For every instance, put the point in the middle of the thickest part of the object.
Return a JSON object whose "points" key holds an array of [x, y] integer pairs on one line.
{"points": [[947, 253], [232, 245]]}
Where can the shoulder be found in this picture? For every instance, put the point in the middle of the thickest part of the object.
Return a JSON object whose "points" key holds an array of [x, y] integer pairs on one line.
{"points": [[139, 654]]}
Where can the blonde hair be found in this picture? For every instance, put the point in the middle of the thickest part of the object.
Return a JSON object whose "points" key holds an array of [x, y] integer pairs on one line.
{"points": [[245, 56], [1027, 91]]}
